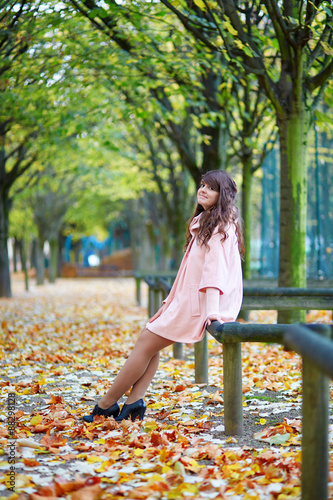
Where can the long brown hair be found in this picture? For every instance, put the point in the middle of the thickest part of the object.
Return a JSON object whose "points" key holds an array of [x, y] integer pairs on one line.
{"points": [[220, 215]]}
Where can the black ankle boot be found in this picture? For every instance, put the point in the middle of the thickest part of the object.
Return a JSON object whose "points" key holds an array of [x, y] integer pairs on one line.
{"points": [[132, 411], [112, 411]]}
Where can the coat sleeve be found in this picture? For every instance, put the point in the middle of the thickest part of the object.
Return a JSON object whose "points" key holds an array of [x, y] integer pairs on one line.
{"points": [[216, 264], [212, 301]]}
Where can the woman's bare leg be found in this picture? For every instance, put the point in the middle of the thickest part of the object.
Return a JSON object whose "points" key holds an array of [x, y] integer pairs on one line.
{"points": [[140, 367], [139, 388]]}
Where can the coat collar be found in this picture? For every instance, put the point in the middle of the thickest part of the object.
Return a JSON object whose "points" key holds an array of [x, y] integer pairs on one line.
{"points": [[195, 225]]}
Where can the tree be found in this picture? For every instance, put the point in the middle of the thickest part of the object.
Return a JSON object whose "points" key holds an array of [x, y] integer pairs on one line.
{"points": [[288, 47], [252, 137], [38, 103], [170, 66], [189, 87], [23, 104], [50, 202], [21, 228]]}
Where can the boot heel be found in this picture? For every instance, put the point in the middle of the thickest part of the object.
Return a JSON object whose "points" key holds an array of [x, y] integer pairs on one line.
{"points": [[138, 413], [132, 411]]}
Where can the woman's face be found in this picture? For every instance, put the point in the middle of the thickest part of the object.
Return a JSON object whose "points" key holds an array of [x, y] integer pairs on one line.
{"points": [[206, 196]]}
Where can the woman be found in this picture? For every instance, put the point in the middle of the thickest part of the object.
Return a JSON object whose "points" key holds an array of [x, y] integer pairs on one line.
{"points": [[208, 287]]}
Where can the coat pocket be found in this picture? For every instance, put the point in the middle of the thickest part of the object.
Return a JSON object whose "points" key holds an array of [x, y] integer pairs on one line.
{"points": [[194, 300]]}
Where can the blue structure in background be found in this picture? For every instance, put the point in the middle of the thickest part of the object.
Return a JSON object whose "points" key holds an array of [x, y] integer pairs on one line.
{"points": [[270, 217], [68, 244], [118, 238], [90, 244], [319, 242]]}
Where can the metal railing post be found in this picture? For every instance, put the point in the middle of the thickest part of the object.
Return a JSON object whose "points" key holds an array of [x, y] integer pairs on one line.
{"points": [[232, 388], [315, 428], [201, 361], [138, 291], [157, 299], [151, 302], [177, 350]]}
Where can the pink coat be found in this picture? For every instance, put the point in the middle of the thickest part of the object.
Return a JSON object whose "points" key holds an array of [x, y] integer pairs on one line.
{"points": [[183, 317]]}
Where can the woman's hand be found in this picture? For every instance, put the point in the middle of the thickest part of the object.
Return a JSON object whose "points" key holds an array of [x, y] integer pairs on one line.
{"points": [[213, 317]]}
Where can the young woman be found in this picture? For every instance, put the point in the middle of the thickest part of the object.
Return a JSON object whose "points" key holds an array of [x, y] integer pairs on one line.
{"points": [[208, 287]]}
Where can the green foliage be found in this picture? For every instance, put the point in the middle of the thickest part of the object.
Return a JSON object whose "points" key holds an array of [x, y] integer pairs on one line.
{"points": [[21, 222]]}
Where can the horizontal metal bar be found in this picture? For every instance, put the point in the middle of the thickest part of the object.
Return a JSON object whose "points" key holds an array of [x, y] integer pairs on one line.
{"points": [[271, 299], [155, 274], [152, 285], [240, 332], [311, 345], [166, 287], [288, 292], [286, 302]]}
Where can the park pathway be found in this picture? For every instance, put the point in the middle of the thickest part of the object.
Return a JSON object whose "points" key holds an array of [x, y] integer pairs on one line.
{"points": [[63, 344]]}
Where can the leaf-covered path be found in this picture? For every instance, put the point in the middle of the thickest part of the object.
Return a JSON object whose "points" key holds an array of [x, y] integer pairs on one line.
{"points": [[63, 344]]}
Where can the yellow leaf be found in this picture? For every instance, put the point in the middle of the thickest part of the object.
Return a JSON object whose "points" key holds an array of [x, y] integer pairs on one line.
{"points": [[150, 425], [157, 406], [262, 421], [36, 419], [327, 48], [189, 488], [239, 44], [230, 28], [104, 466], [114, 479], [93, 459], [156, 478], [138, 452], [179, 468], [231, 440], [200, 4]]}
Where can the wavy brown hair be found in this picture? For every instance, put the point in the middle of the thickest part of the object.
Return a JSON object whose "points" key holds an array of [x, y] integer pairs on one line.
{"points": [[220, 215]]}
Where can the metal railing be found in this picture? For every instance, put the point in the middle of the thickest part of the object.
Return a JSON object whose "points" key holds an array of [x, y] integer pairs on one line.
{"points": [[159, 286], [316, 349], [312, 342]]}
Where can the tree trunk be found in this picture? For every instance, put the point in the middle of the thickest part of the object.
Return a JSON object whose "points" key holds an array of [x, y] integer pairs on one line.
{"points": [[5, 285], [213, 153], [247, 212], [16, 249], [23, 254], [53, 260], [293, 132], [60, 256], [33, 254], [40, 261], [178, 245], [247, 216]]}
